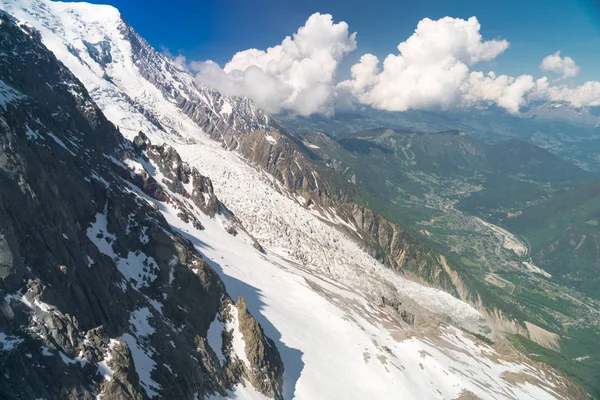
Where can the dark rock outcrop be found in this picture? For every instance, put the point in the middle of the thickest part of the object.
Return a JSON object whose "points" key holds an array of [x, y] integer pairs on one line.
{"points": [[265, 362]]}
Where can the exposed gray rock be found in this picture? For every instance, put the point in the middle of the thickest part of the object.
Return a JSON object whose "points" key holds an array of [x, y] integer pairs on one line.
{"points": [[265, 362]]}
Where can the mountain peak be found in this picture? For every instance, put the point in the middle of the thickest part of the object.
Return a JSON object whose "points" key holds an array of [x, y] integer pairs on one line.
{"points": [[87, 11]]}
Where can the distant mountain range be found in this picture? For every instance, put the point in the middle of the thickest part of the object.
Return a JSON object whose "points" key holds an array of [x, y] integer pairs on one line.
{"points": [[571, 133]]}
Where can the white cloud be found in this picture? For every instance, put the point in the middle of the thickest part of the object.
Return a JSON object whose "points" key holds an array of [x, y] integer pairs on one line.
{"points": [[505, 91], [297, 75], [586, 95], [179, 59], [432, 71], [565, 67]]}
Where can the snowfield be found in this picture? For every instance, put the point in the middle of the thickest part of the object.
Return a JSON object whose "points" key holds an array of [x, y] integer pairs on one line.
{"points": [[286, 228], [335, 343], [315, 292]]}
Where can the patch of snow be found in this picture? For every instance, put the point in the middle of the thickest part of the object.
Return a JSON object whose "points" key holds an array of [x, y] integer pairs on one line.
{"points": [[241, 392], [315, 178], [99, 235], [115, 161], [139, 268], [238, 345], [32, 135], [9, 342], [103, 368], [100, 179], [136, 267], [20, 298], [271, 139], [144, 364], [144, 239], [215, 337], [226, 109], [47, 308], [135, 166], [172, 263], [140, 321], [8, 94], [46, 351], [158, 306], [77, 360], [60, 142]]}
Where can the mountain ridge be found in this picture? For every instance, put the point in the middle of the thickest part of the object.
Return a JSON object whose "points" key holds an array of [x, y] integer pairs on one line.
{"points": [[98, 295]]}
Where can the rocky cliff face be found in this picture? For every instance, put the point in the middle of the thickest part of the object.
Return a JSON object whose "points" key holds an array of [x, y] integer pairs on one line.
{"points": [[98, 294]]}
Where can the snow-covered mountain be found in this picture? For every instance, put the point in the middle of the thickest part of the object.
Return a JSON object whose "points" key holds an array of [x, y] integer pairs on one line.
{"points": [[99, 296], [111, 58], [345, 325]]}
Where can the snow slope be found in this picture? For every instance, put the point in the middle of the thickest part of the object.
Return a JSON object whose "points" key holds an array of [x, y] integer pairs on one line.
{"points": [[335, 343], [315, 292], [289, 230]]}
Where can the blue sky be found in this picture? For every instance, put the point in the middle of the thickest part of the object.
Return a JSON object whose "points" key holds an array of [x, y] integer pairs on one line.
{"points": [[216, 30]]}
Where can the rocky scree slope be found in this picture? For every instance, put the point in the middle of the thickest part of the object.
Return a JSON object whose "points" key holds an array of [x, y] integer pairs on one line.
{"points": [[98, 294]]}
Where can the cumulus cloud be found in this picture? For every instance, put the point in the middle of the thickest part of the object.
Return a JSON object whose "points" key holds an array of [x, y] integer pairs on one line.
{"points": [[297, 75], [505, 91], [432, 71], [179, 59], [586, 95], [565, 67]]}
